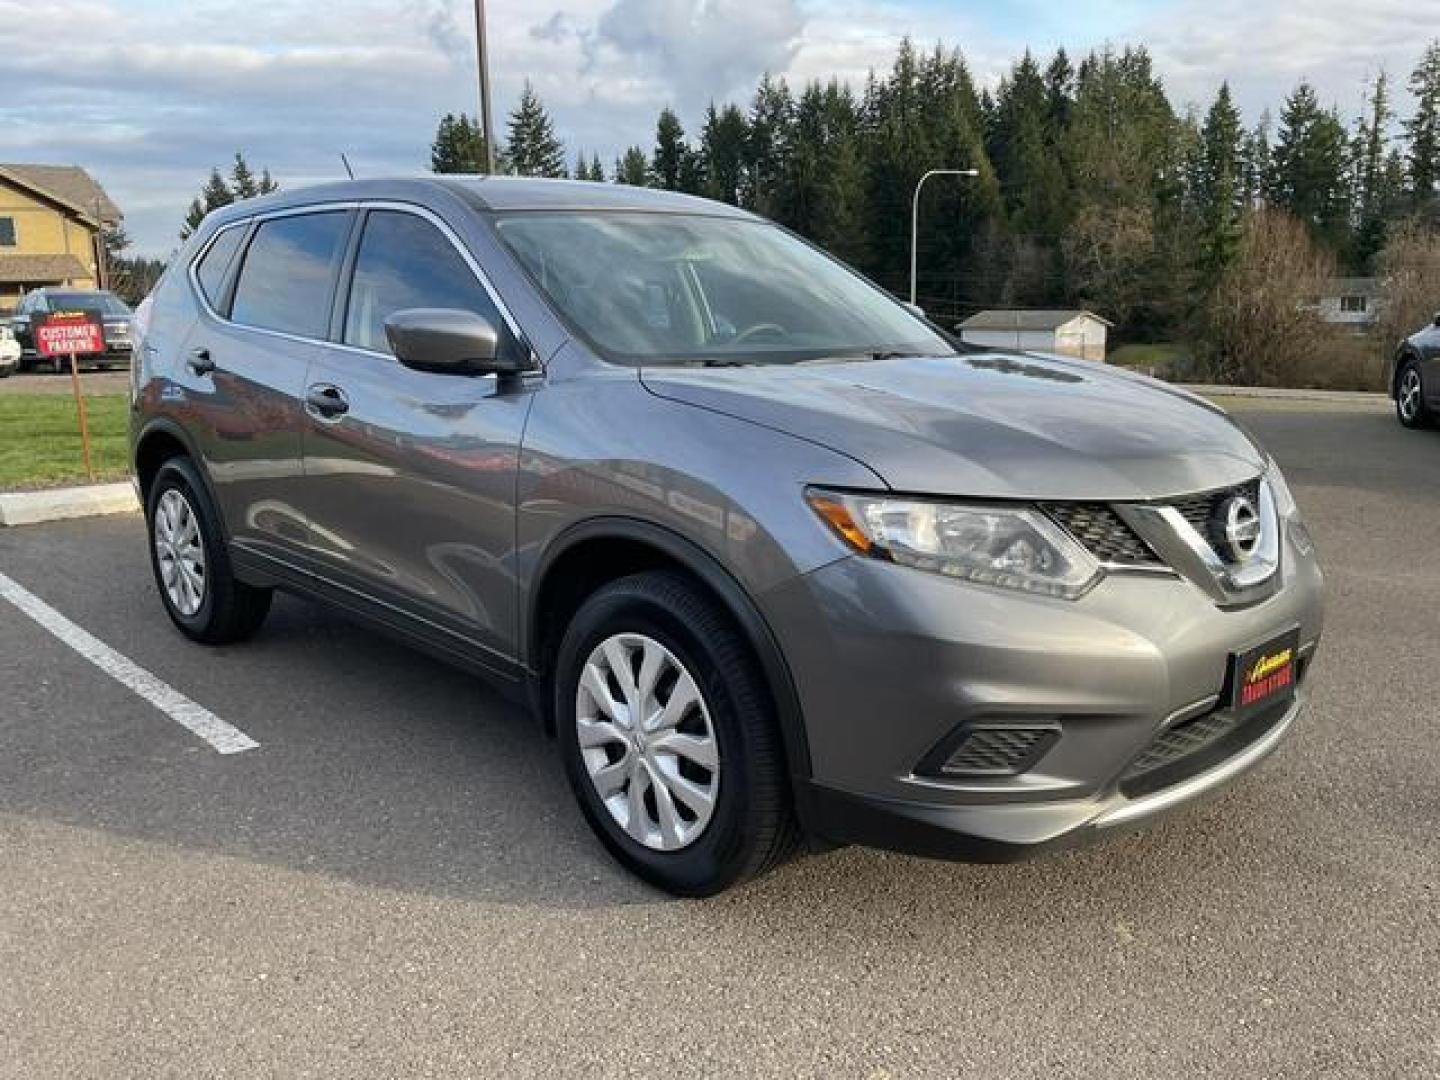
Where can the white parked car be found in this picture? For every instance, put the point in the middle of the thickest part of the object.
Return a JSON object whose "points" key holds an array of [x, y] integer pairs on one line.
{"points": [[9, 352]]}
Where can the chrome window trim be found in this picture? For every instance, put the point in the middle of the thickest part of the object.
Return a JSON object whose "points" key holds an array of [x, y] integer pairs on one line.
{"points": [[415, 209]]}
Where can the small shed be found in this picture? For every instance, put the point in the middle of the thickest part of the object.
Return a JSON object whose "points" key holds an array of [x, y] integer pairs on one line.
{"points": [[1353, 302], [1069, 333]]}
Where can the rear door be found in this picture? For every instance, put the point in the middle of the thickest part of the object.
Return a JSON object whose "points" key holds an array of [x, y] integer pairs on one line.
{"points": [[268, 290], [410, 475]]}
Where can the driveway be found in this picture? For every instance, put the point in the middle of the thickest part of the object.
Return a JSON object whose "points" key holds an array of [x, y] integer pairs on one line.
{"points": [[396, 882]]}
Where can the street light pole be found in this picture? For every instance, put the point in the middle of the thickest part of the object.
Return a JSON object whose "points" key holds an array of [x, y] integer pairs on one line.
{"points": [[482, 56], [915, 215]]}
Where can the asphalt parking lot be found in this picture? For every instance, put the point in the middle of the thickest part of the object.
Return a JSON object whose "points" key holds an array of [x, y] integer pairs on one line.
{"points": [[396, 882]]}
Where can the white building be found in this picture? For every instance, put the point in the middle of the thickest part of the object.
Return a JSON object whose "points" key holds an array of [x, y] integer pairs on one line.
{"points": [[1070, 333], [1352, 302]]}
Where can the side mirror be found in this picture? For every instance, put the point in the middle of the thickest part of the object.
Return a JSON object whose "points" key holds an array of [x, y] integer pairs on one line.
{"points": [[1437, 318], [447, 341]]}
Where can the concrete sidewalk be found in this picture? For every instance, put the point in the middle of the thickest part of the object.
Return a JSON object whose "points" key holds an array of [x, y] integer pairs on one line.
{"points": [[1355, 397]]}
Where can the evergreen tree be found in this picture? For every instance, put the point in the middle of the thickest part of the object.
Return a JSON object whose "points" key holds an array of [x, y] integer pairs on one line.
{"points": [[632, 169], [1373, 201], [822, 192], [533, 148], [722, 148], [459, 146], [215, 194], [671, 151], [768, 145], [1255, 167], [1059, 91], [243, 184], [1423, 132], [1220, 188], [1308, 167]]}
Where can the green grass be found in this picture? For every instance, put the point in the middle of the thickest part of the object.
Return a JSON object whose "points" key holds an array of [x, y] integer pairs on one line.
{"points": [[1155, 355], [40, 440]]}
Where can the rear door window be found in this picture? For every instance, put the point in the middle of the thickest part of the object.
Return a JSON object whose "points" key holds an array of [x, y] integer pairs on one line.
{"points": [[286, 279], [406, 262]]}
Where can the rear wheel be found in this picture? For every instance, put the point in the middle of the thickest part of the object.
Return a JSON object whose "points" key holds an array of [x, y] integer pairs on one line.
{"points": [[669, 737], [201, 594], [1410, 397]]}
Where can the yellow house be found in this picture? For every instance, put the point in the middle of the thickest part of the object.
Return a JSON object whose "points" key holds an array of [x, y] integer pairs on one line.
{"points": [[50, 222]]}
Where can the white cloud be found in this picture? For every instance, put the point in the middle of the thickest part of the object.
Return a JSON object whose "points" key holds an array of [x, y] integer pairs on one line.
{"points": [[157, 91], [1265, 47]]}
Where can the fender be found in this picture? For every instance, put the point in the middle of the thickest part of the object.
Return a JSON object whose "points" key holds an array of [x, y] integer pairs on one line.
{"points": [[167, 426], [709, 570]]}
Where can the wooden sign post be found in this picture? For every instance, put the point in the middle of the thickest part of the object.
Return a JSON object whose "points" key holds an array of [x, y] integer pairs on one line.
{"points": [[73, 334]]}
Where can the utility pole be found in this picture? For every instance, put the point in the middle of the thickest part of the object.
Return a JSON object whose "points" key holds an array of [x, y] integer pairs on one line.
{"points": [[482, 56], [915, 215]]}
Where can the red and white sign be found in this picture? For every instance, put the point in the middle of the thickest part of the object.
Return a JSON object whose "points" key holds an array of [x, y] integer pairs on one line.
{"points": [[69, 333]]}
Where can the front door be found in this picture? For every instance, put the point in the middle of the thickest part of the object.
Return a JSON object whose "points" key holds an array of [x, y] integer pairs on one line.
{"points": [[410, 476]]}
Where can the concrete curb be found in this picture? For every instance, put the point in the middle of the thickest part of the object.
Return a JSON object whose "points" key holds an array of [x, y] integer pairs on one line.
{"points": [[1354, 396], [56, 504]]}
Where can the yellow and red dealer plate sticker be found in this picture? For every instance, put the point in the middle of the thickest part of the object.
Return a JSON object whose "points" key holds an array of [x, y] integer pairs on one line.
{"points": [[1265, 674]]}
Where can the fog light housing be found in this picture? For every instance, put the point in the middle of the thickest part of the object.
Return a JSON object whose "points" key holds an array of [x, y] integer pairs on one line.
{"points": [[989, 749]]}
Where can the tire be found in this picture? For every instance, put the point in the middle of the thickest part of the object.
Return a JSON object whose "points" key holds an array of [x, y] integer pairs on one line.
{"points": [[1410, 407], [8, 370], [179, 517], [750, 826]]}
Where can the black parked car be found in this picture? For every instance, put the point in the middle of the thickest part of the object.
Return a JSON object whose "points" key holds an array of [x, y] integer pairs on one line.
{"points": [[119, 323], [1415, 380]]}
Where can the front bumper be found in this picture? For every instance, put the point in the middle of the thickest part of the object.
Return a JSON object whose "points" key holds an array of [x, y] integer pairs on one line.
{"points": [[890, 662], [1007, 833]]}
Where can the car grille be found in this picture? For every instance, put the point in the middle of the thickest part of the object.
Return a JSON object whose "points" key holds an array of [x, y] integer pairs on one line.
{"points": [[1201, 510], [1102, 532], [1106, 536]]}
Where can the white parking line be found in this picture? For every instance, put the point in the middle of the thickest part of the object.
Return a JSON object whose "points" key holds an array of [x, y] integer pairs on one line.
{"points": [[196, 718]]}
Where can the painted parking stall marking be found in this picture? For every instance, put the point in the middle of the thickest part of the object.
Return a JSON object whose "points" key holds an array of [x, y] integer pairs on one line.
{"points": [[222, 737]]}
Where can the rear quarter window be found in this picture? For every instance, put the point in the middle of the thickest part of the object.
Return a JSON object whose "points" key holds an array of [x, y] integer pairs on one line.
{"points": [[210, 270]]}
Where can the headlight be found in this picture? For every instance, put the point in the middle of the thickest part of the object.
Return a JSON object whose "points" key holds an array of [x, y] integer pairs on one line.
{"points": [[1284, 501], [1008, 547], [1286, 509]]}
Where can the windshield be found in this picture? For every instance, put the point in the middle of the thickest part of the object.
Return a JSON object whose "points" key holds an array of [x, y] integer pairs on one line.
{"points": [[673, 288], [103, 302]]}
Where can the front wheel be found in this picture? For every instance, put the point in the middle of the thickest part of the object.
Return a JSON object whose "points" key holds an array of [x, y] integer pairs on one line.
{"points": [[669, 737], [1410, 397]]}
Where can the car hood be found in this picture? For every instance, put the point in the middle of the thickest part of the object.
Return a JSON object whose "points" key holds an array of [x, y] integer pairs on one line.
{"points": [[989, 425]]}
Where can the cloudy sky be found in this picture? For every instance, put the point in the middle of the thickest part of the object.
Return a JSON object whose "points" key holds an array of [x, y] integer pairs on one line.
{"points": [[148, 94]]}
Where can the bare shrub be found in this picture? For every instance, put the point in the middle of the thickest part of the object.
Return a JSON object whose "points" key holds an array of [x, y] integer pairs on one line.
{"points": [[1409, 283], [1261, 326]]}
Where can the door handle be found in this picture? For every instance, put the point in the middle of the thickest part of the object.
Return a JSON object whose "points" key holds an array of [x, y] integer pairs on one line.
{"points": [[326, 401], [199, 361]]}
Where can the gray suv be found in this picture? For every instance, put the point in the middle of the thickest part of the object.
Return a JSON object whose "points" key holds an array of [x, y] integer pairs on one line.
{"points": [[775, 560]]}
